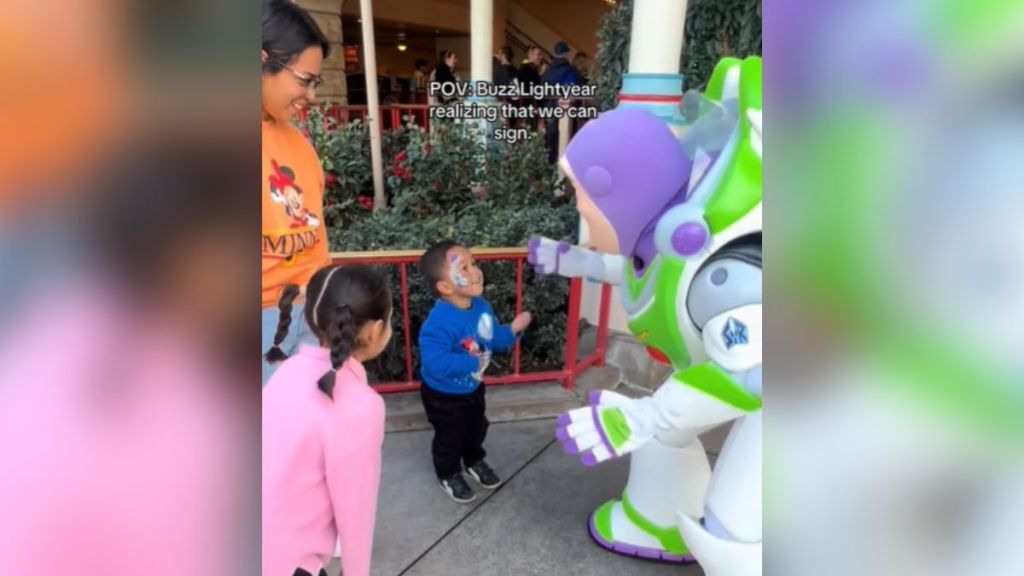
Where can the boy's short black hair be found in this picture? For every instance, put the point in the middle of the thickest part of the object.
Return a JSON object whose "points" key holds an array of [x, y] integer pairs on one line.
{"points": [[433, 262]]}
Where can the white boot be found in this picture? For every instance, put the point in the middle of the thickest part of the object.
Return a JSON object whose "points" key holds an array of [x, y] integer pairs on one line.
{"points": [[733, 507], [662, 480], [718, 556]]}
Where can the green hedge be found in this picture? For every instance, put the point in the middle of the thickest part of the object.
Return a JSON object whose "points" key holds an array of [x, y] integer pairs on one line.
{"points": [[714, 29], [445, 185]]}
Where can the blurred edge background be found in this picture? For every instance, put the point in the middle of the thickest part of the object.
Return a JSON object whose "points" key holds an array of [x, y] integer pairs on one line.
{"points": [[129, 409], [128, 403]]}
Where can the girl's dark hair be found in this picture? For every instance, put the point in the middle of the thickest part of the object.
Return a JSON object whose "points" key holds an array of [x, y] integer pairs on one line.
{"points": [[339, 301], [275, 354], [288, 31]]}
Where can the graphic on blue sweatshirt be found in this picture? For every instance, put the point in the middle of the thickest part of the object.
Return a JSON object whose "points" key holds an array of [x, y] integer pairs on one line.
{"points": [[452, 342]]}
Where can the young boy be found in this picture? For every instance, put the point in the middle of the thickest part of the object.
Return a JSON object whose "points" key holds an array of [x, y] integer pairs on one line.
{"points": [[456, 343]]}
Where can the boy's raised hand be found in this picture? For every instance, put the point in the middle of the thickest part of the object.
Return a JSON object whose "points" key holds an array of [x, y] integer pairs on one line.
{"points": [[521, 322]]}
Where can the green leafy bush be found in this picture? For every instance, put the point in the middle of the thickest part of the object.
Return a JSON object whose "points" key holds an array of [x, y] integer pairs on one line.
{"points": [[716, 29], [612, 59], [445, 185]]}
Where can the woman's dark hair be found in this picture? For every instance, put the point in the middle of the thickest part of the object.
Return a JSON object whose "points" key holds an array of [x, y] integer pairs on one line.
{"points": [[339, 301], [288, 31], [444, 74]]}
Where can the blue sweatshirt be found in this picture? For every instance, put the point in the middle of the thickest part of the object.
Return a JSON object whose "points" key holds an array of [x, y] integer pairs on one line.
{"points": [[452, 341]]}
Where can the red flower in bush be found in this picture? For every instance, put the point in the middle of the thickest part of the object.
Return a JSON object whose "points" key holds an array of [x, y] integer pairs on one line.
{"points": [[331, 179], [437, 185], [402, 173], [366, 202], [481, 192], [305, 132], [426, 148], [402, 156]]}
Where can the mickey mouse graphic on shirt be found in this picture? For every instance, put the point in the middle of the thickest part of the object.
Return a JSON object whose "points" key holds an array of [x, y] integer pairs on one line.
{"points": [[284, 191], [485, 332]]}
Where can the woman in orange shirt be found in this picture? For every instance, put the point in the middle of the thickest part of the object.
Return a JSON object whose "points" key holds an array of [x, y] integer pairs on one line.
{"points": [[294, 239]]}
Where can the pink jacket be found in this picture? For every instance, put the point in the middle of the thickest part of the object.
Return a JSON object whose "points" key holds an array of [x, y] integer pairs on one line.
{"points": [[321, 466]]}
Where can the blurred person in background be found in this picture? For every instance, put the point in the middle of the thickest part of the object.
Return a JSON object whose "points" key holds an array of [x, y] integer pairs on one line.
{"points": [[529, 76], [126, 442], [581, 62], [562, 73], [444, 72], [529, 72], [45, 144], [294, 234], [505, 72], [121, 423], [419, 82]]}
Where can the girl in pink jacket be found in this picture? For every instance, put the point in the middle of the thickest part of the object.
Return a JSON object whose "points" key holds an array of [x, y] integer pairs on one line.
{"points": [[323, 427]]}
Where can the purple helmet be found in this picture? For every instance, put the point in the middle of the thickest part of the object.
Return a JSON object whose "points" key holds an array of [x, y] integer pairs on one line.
{"points": [[631, 165]]}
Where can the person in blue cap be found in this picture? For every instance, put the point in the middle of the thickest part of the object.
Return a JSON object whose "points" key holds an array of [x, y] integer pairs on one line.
{"points": [[560, 71]]}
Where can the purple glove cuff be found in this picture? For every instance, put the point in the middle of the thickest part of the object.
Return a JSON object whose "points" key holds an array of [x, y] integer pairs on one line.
{"points": [[531, 250], [533, 256]]}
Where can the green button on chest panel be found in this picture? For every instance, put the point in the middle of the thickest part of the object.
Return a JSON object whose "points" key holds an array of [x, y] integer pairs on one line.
{"points": [[658, 326]]}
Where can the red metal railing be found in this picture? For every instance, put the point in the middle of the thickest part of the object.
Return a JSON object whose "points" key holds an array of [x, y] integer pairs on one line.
{"points": [[572, 367]]}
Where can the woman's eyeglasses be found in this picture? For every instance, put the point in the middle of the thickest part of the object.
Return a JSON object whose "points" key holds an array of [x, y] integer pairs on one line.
{"points": [[306, 80]]}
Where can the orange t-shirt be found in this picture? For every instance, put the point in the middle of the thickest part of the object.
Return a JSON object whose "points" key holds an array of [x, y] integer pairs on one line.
{"points": [[294, 235]]}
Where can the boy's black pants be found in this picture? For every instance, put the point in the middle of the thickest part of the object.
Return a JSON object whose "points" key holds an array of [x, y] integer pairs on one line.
{"points": [[460, 426]]}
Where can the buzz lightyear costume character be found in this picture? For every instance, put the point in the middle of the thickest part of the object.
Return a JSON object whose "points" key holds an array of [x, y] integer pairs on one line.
{"points": [[676, 223]]}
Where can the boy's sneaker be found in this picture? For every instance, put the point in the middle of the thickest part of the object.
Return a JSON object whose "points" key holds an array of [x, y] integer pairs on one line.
{"points": [[484, 475], [456, 487]]}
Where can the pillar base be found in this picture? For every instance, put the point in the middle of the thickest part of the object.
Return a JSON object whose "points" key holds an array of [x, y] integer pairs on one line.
{"points": [[659, 94]]}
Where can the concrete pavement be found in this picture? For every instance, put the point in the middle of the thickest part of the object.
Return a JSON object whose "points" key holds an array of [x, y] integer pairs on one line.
{"points": [[535, 524]]}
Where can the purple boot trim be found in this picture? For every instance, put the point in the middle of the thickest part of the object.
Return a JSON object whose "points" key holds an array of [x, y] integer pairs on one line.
{"points": [[636, 551]]}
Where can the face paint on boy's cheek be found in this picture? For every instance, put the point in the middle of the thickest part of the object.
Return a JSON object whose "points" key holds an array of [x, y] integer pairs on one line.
{"points": [[455, 274]]}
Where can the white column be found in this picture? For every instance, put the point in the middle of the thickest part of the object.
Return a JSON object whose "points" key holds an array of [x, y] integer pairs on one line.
{"points": [[656, 40], [373, 103], [481, 31]]}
